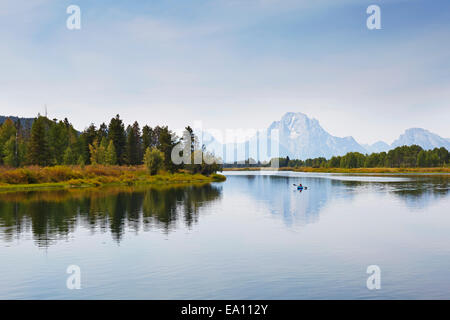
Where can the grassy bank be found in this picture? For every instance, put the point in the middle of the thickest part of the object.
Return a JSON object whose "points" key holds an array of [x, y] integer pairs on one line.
{"points": [[32, 178], [443, 170]]}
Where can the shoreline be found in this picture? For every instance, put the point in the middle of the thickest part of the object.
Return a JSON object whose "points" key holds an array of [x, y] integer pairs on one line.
{"points": [[420, 171], [97, 182]]}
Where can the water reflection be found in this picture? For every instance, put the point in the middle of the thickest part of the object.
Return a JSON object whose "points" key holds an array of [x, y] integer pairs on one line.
{"points": [[252, 245], [278, 193], [53, 215], [50, 216]]}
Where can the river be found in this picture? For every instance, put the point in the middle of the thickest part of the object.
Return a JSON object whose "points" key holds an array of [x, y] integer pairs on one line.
{"points": [[254, 236]]}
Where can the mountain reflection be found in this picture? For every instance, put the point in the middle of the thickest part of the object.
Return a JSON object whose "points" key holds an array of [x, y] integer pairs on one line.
{"points": [[49, 216], [279, 195], [53, 215]]}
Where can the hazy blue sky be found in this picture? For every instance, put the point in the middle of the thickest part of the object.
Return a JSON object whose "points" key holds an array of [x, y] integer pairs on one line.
{"points": [[231, 63]]}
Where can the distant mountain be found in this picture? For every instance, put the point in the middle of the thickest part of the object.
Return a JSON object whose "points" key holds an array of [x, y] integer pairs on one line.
{"points": [[379, 146], [301, 137], [25, 122], [424, 138]]}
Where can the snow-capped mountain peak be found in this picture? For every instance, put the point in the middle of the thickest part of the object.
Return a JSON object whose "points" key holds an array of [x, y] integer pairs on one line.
{"points": [[424, 138], [301, 137]]}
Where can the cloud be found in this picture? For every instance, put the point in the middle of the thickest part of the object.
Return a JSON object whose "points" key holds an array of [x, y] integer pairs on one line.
{"points": [[224, 62]]}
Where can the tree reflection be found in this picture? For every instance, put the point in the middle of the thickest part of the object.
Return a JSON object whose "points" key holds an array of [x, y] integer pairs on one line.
{"points": [[283, 199], [53, 215]]}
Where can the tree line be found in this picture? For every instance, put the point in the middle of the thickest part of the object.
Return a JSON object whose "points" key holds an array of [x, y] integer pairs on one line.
{"points": [[56, 142], [400, 157]]}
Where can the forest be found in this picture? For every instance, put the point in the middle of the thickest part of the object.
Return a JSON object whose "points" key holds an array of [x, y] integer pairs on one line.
{"points": [[55, 142]]}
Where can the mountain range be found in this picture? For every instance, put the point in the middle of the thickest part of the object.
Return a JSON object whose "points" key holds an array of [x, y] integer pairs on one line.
{"points": [[301, 137]]}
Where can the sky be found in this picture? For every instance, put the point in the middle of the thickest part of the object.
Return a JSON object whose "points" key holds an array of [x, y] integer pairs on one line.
{"points": [[230, 63]]}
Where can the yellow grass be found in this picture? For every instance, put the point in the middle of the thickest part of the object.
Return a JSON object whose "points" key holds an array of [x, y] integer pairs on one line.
{"points": [[91, 176]]}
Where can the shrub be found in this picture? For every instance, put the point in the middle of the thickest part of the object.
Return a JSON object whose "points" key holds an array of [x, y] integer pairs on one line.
{"points": [[218, 177], [153, 160]]}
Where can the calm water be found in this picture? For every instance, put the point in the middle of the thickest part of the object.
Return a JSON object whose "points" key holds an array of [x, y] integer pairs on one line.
{"points": [[252, 237]]}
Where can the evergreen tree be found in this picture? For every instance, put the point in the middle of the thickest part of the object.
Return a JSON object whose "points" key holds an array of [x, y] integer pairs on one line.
{"points": [[193, 140], [166, 144], [116, 134], [102, 132], [155, 136], [86, 139], [38, 149], [134, 145], [190, 142], [443, 156], [422, 159], [147, 134], [58, 135]]}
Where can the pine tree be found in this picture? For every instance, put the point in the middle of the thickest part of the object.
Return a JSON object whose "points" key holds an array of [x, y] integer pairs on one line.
{"points": [[147, 133], [58, 136], [134, 145], [166, 144], [87, 138], [116, 134], [102, 132], [155, 136], [38, 149]]}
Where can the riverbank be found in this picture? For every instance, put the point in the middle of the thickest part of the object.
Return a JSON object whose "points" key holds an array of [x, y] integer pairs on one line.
{"points": [[60, 177], [440, 170]]}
